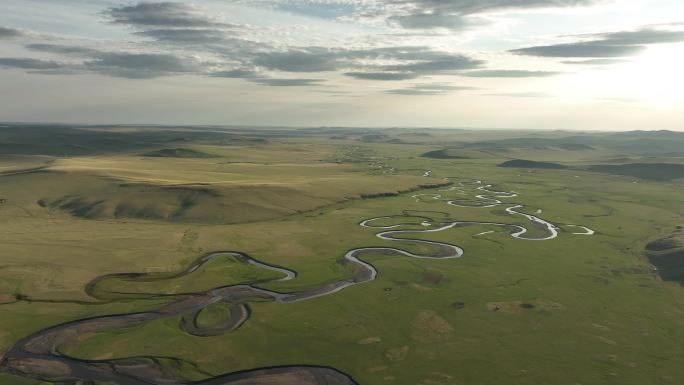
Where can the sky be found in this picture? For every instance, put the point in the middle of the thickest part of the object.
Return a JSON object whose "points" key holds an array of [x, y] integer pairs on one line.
{"points": [[533, 64]]}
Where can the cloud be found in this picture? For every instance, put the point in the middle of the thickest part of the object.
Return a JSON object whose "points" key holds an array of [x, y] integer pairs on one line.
{"points": [[607, 45], [259, 78], [434, 20], [29, 64], [63, 49], [381, 75], [594, 61], [140, 66], [162, 14], [286, 82], [408, 61], [428, 89], [235, 74], [522, 95], [179, 33], [134, 65], [185, 35], [509, 74], [469, 7], [126, 64], [6, 33], [228, 43], [439, 64], [588, 49], [647, 35], [455, 15], [301, 60]]}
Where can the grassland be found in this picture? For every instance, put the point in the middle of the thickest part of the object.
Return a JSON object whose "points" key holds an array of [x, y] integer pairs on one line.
{"points": [[572, 310]]}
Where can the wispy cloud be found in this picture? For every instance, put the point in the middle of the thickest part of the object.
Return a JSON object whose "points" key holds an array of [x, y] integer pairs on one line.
{"points": [[29, 64], [381, 75], [453, 15], [429, 89], [287, 82], [595, 62], [142, 66], [608, 45], [510, 74], [521, 94]]}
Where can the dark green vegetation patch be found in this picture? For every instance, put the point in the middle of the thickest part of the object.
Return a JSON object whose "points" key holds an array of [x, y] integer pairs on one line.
{"points": [[652, 171], [575, 147], [521, 163], [442, 154], [178, 153], [667, 255]]}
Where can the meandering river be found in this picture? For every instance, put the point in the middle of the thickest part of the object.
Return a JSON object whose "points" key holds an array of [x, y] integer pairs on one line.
{"points": [[39, 356]]}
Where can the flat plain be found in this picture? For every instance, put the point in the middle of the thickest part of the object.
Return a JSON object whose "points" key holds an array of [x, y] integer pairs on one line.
{"points": [[98, 221]]}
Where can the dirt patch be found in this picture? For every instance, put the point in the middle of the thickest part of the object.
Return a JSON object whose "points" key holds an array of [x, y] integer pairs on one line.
{"points": [[550, 306], [6, 298], [369, 340], [420, 287], [516, 307], [397, 354], [601, 327], [432, 277], [430, 322], [606, 340], [503, 307]]}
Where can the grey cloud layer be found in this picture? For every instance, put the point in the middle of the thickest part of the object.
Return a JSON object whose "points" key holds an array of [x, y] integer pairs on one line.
{"points": [[258, 78], [251, 61], [607, 45], [143, 66], [411, 61], [117, 64], [509, 74], [183, 26], [287, 82], [29, 64], [10, 32], [175, 38], [63, 49], [596, 62], [381, 75], [468, 7], [164, 14], [455, 14], [428, 89]]}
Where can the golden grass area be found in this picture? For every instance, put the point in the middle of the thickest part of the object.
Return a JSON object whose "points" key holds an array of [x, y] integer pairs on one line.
{"points": [[240, 184], [86, 216], [13, 163]]}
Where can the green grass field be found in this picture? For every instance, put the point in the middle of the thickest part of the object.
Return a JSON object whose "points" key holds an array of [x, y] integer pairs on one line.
{"points": [[572, 310]]}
